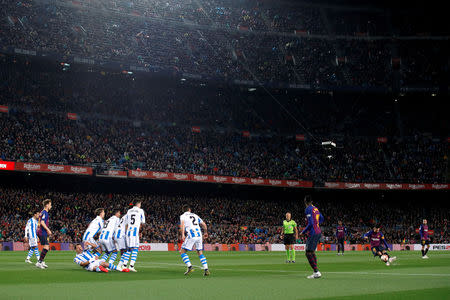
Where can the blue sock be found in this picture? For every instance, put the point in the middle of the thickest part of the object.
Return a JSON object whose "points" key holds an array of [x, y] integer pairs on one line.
{"points": [[112, 267], [186, 260], [36, 252], [125, 257], [30, 253], [203, 261], [134, 254], [105, 256], [113, 257]]}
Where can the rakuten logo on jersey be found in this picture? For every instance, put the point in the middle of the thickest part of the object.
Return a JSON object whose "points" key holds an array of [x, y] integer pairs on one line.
{"points": [[32, 167], [160, 175], [55, 168], [238, 180], [201, 177], [257, 181], [180, 176]]}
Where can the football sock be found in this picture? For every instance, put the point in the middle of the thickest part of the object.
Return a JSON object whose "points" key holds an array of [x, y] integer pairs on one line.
{"points": [[113, 257], [36, 252], [292, 254], [30, 253], [287, 254], [426, 251], [112, 267], [312, 260], [423, 252], [203, 261], [134, 253], [124, 258], [43, 253], [105, 256], [186, 260]]}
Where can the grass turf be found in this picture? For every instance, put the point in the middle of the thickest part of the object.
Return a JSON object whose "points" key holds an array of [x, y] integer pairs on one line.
{"points": [[238, 275]]}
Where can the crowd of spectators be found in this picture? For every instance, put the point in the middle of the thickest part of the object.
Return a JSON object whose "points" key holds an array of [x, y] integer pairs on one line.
{"points": [[139, 33], [230, 220]]}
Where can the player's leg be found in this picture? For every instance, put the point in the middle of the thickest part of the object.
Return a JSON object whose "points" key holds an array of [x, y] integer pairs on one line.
{"points": [[292, 253], [134, 253], [311, 245], [426, 249], [36, 252], [423, 247], [46, 247], [29, 255], [201, 256], [187, 246], [113, 257]]}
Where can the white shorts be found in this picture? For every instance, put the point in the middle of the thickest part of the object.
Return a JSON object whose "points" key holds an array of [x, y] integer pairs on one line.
{"points": [[121, 244], [94, 265], [107, 245], [132, 241], [32, 242], [189, 243]]}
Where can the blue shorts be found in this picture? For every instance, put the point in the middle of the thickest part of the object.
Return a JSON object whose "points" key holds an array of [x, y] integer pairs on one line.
{"points": [[377, 249], [312, 242], [43, 239]]}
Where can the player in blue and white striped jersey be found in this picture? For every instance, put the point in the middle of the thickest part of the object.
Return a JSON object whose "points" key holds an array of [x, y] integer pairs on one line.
{"points": [[191, 235], [31, 236], [106, 239], [121, 241], [90, 262], [94, 227], [135, 217]]}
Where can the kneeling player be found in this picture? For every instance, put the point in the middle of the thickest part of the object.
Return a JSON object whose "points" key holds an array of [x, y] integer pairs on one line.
{"points": [[94, 227], [376, 237], [190, 225], [91, 262]]}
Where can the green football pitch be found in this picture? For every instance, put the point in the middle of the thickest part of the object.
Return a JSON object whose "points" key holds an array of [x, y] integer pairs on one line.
{"points": [[234, 275]]}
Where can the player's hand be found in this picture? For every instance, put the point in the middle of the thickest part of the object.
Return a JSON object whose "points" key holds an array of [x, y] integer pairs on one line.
{"points": [[183, 238], [389, 249], [205, 235], [25, 240], [49, 232]]}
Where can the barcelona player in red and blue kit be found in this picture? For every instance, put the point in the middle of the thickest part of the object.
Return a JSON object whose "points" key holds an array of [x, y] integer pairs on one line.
{"points": [[378, 245], [424, 238], [44, 233], [314, 218], [341, 233]]}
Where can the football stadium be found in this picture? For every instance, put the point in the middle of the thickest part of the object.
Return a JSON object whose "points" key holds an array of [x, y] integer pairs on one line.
{"points": [[224, 149]]}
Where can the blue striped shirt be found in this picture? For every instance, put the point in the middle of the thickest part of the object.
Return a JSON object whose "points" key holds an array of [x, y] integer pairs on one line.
{"points": [[85, 256]]}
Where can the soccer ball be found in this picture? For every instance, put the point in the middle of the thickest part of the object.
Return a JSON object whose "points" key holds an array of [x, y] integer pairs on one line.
{"points": [[384, 257]]}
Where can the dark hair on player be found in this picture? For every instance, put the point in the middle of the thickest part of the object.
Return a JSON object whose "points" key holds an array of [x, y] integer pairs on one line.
{"points": [[137, 202], [308, 199], [98, 211], [186, 207], [46, 201], [115, 210]]}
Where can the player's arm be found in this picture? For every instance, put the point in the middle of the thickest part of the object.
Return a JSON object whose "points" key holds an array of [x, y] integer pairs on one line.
{"points": [[27, 232], [421, 231], [321, 218], [205, 229], [45, 227], [309, 218], [366, 235], [282, 232], [182, 228]]}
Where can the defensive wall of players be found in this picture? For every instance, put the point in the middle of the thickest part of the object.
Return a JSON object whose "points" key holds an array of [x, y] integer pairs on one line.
{"points": [[156, 175], [20, 246]]}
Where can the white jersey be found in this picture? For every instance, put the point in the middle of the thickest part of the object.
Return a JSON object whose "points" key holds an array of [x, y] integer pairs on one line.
{"points": [[134, 218], [31, 229], [191, 224], [94, 227], [121, 227], [109, 228]]}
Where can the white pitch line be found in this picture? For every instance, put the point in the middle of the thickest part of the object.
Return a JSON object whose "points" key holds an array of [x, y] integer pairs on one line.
{"points": [[300, 272]]}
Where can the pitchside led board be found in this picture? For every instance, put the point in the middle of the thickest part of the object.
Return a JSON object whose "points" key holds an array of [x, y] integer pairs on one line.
{"points": [[19, 246]]}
